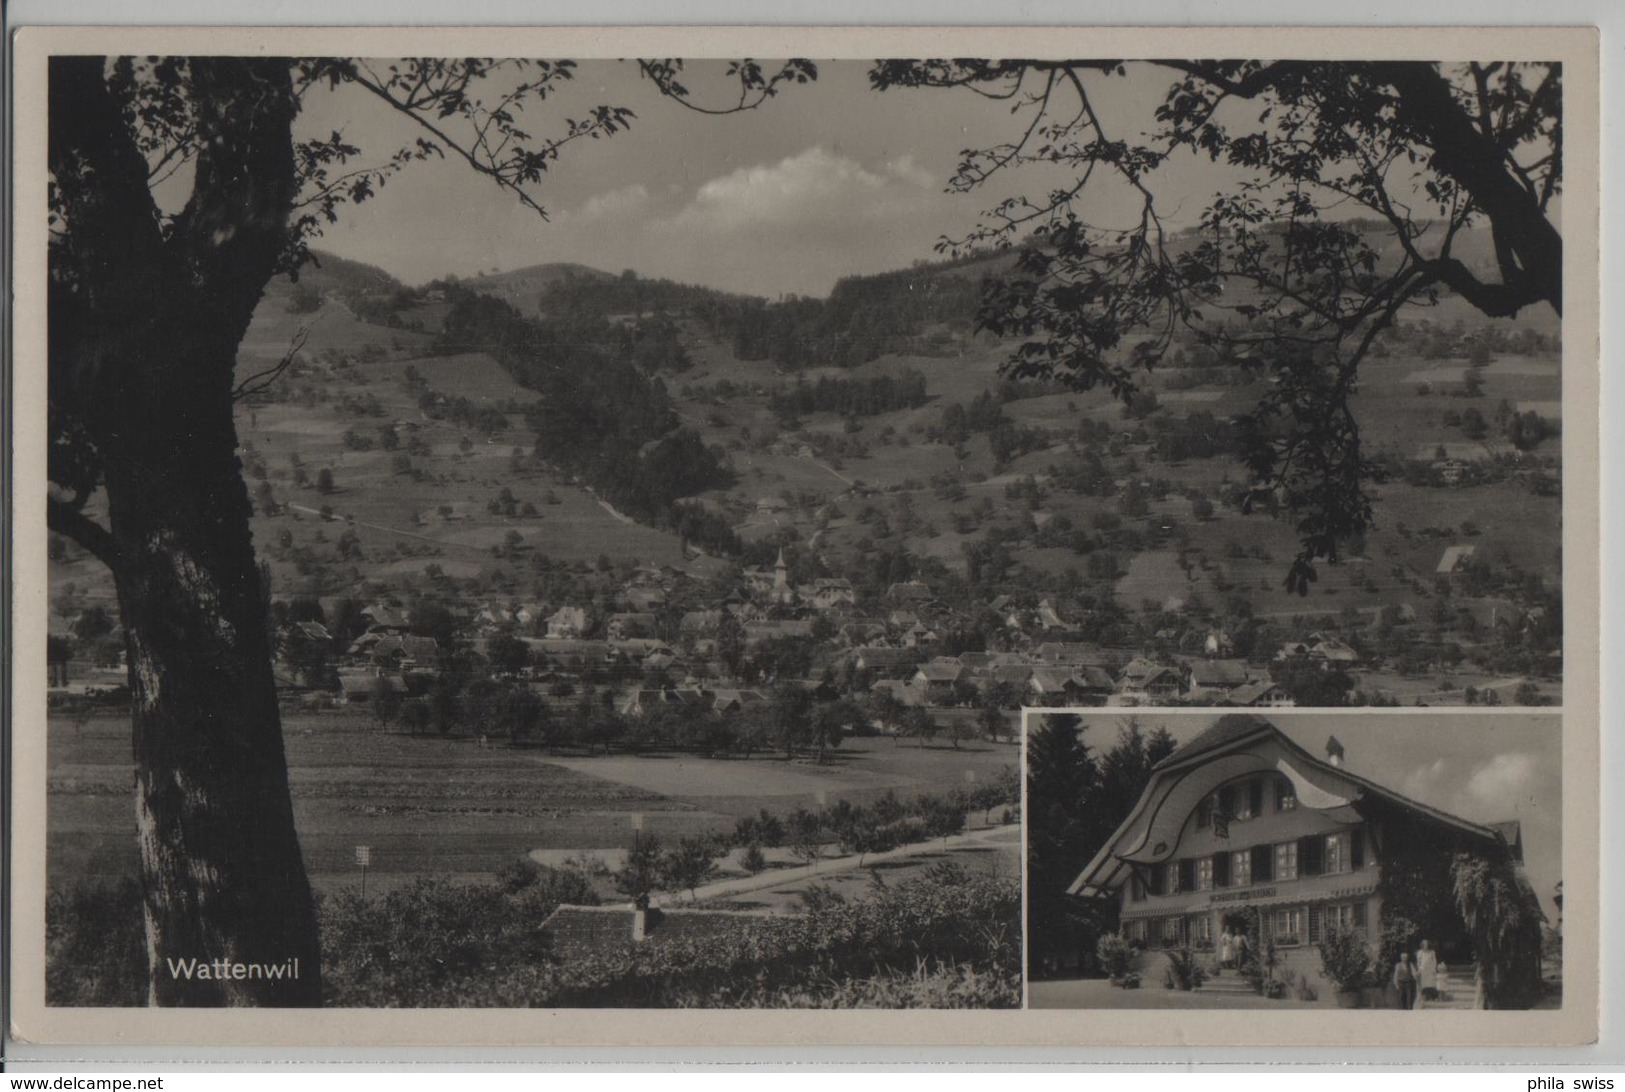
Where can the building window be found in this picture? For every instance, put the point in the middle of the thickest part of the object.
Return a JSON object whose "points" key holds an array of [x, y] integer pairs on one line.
{"points": [[1244, 805], [1136, 930], [1337, 857], [1204, 875], [1286, 795], [1201, 931], [1186, 871], [1136, 887], [1286, 861], [1170, 932], [1159, 879], [1204, 813], [1241, 868], [1289, 926]]}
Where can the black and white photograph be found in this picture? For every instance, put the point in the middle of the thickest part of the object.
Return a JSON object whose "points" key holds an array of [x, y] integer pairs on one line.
{"points": [[567, 531], [1293, 860]]}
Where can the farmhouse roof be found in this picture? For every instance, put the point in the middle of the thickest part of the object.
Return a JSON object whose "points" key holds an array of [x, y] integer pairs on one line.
{"points": [[314, 630], [883, 656], [1237, 743], [1066, 652], [1052, 680], [909, 591], [1218, 674], [1254, 693], [699, 621], [1455, 558], [408, 646], [385, 617], [942, 671]]}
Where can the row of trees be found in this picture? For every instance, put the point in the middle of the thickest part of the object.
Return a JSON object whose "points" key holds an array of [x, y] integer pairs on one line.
{"points": [[1076, 798], [852, 829]]}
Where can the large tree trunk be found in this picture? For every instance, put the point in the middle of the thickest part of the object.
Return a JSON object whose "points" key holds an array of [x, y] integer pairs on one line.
{"points": [[145, 326], [222, 872]]}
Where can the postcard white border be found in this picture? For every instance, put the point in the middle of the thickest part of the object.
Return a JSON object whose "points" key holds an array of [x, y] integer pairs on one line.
{"points": [[1576, 1023]]}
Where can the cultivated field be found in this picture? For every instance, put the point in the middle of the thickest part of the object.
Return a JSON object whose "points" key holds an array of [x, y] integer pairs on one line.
{"points": [[451, 809]]}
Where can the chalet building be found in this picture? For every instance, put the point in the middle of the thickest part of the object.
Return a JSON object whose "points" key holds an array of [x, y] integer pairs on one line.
{"points": [[937, 679], [385, 619], [1328, 648], [829, 593], [911, 594], [359, 688], [1048, 617], [1144, 682], [567, 623], [405, 652], [1067, 652], [644, 597], [888, 663], [1243, 829], [1259, 694], [699, 623], [1213, 680], [1059, 686]]}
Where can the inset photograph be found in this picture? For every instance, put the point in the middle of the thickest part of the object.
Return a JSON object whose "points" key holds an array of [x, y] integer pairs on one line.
{"points": [[1380, 860]]}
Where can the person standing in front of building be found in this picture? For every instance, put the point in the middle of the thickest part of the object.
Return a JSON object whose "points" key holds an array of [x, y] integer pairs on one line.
{"points": [[1405, 980], [1227, 955], [1427, 972]]}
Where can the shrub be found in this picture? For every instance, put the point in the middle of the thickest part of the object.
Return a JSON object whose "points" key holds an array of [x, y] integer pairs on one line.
{"points": [[1117, 957], [752, 860], [1184, 968], [1345, 959], [95, 946]]}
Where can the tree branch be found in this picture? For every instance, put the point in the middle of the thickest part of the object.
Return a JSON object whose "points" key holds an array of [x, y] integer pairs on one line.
{"points": [[64, 519]]}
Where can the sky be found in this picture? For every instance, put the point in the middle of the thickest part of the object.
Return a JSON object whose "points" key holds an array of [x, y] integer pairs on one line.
{"points": [[826, 180], [1484, 767]]}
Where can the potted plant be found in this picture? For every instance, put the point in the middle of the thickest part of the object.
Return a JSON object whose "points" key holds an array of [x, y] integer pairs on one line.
{"points": [[1184, 969], [1346, 962], [1119, 960]]}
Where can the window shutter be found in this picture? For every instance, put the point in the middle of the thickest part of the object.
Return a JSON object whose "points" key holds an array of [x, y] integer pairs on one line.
{"points": [[1314, 924], [1187, 874], [1357, 847], [1255, 797], [1263, 863], [1310, 849], [1221, 870]]}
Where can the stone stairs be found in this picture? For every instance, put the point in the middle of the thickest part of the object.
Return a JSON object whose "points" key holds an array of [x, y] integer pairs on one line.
{"points": [[1457, 988], [1227, 983]]}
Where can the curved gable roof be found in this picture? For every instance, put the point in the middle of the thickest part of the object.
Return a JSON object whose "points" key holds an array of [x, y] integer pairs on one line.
{"points": [[1236, 745]]}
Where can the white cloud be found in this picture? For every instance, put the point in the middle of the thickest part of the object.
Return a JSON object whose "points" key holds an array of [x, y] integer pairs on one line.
{"points": [[624, 201], [1503, 784], [813, 185]]}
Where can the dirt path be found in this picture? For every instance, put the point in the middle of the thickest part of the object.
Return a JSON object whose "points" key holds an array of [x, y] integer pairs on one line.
{"points": [[348, 520], [991, 835]]}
